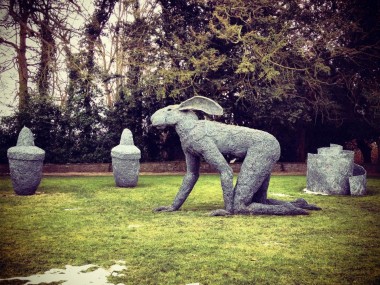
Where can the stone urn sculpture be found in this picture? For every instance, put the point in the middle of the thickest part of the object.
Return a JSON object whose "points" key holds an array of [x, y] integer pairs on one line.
{"points": [[126, 161], [332, 171], [25, 164]]}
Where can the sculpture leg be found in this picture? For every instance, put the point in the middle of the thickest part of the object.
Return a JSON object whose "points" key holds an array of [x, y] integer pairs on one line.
{"points": [[252, 186], [253, 179], [261, 195], [299, 203], [216, 159]]}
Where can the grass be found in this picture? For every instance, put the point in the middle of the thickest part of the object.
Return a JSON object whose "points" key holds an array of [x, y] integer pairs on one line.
{"points": [[82, 220]]}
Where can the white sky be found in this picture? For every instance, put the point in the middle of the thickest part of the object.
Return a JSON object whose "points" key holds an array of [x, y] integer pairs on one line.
{"points": [[7, 79]]}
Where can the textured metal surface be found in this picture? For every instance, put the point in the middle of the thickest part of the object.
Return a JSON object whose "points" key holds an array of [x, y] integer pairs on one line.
{"points": [[332, 171], [208, 140]]}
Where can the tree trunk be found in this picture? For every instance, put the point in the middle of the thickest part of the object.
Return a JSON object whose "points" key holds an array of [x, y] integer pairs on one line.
{"points": [[301, 147], [47, 53], [23, 67], [20, 12], [378, 152]]}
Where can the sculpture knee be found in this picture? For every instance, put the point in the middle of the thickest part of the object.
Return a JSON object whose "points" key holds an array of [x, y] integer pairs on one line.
{"points": [[191, 176], [243, 197]]}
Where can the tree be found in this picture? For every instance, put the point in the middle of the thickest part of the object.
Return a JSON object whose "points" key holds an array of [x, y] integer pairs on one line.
{"points": [[272, 64], [48, 47], [32, 29], [18, 14], [304, 70]]}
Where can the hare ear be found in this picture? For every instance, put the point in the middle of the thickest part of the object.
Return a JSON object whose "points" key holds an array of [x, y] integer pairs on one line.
{"points": [[200, 103]]}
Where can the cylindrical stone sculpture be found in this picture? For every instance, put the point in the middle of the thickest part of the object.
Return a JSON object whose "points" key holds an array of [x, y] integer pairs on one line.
{"points": [[332, 171], [126, 161], [25, 164]]}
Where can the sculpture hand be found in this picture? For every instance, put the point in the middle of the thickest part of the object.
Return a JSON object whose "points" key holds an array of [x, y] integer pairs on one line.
{"points": [[165, 209]]}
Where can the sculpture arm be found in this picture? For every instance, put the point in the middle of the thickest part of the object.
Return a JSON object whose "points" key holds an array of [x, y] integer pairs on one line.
{"points": [[191, 177]]}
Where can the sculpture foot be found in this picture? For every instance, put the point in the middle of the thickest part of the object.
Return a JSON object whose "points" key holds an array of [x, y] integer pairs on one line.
{"points": [[219, 212], [285, 209], [297, 211], [301, 203], [165, 209]]}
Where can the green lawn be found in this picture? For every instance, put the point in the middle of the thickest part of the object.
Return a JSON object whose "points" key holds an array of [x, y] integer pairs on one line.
{"points": [[82, 220]]}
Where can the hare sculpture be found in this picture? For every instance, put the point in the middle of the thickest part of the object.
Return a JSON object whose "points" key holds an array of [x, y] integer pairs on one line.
{"points": [[211, 140]]}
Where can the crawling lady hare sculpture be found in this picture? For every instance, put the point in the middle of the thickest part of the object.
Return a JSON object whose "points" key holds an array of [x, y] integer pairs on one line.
{"points": [[210, 140]]}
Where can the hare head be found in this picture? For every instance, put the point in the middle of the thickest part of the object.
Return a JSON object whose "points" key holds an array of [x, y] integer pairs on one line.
{"points": [[173, 114]]}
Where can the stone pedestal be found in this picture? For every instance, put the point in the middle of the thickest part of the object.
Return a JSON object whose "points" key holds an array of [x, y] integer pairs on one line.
{"points": [[126, 161], [332, 171], [25, 164]]}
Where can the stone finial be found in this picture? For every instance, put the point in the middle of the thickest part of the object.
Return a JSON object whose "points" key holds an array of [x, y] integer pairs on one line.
{"points": [[126, 138], [25, 137]]}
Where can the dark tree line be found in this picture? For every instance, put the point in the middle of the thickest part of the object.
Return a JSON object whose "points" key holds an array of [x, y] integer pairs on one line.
{"points": [[305, 70]]}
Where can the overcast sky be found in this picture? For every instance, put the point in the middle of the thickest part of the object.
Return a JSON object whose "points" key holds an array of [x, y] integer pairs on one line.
{"points": [[9, 78]]}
